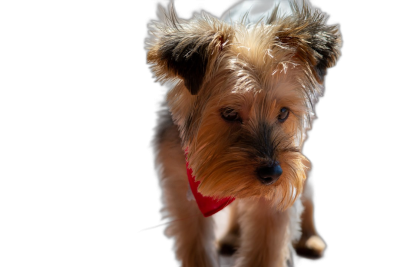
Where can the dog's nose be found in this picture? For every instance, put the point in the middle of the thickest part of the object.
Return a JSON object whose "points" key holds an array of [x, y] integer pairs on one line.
{"points": [[269, 174]]}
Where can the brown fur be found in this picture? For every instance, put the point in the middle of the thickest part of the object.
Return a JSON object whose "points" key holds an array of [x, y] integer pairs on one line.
{"points": [[256, 71]]}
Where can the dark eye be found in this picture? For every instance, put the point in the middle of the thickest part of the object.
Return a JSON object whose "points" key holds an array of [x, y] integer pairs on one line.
{"points": [[283, 115], [230, 114]]}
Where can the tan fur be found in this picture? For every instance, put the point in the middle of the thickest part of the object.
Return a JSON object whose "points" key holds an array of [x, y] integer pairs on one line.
{"points": [[256, 71], [265, 232]]}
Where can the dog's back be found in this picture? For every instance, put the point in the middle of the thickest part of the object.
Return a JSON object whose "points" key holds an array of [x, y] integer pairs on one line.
{"points": [[255, 10]]}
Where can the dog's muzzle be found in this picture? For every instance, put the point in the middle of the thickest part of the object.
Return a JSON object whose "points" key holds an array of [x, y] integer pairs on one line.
{"points": [[269, 174]]}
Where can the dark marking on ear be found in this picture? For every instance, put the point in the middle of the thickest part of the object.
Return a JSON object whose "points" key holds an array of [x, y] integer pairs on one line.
{"points": [[318, 54], [320, 69], [189, 61], [186, 49], [325, 43]]}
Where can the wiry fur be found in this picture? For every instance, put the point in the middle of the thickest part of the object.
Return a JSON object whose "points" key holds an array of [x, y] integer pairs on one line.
{"points": [[255, 70]]}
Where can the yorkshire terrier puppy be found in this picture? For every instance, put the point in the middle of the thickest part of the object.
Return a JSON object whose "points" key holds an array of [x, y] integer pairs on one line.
{"points": [[240, 103]]}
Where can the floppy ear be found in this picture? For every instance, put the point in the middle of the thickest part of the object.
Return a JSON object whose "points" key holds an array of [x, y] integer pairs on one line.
{"points": [[314, 41], [186, 50]]}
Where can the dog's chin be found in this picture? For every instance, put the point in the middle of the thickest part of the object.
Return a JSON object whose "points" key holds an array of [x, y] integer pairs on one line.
{"points": [[281, 194]]}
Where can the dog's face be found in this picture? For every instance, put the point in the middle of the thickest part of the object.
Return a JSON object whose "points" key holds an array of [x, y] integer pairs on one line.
{"points": [[243, 98]]}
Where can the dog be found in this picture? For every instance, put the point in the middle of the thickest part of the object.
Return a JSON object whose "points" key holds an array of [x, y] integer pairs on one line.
{"points": [[231, 132]]}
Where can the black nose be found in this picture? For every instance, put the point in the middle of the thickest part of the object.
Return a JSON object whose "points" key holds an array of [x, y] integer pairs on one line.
{"points": [[269, 175]]}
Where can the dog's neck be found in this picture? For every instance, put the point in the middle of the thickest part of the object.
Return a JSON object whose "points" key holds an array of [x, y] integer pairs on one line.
{"points": [[207, 205]]}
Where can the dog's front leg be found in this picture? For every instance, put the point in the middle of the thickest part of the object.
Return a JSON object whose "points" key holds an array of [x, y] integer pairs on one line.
{"points": [[193, 234], [264, 235], [310, 245]]}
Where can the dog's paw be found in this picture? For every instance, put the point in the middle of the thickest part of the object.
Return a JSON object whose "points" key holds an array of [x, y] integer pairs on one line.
{"points": [[311, 247]]}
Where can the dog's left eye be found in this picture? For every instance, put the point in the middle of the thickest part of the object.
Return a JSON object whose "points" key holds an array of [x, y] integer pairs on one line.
{"points": [[283, 115], [229, 114]]}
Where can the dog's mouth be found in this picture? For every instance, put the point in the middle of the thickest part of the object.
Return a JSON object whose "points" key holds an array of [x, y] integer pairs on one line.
{"points": [[267, 180]]}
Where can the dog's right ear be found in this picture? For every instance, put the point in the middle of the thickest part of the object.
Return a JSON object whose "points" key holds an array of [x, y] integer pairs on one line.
{"points": [[186, 50]]}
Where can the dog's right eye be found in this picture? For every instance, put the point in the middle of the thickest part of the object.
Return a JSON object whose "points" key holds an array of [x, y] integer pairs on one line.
{"points": [[230, 114], [283, 115]]}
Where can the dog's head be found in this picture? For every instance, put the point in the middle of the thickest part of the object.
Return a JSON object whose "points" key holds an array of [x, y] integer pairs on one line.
{"points": [[243, 97]]}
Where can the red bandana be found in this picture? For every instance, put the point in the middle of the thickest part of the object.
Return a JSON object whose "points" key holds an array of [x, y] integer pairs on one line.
{"points": [[207, 205]]}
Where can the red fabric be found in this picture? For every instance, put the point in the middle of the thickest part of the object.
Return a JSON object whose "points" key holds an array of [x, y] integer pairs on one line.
{"points": [[207, 205]]}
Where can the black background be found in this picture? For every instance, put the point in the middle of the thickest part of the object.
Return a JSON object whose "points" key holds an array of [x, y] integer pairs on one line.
{"points": [[341, 144]]}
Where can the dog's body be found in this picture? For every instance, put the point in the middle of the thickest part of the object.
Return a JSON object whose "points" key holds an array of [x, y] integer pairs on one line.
{"points": [[241, 102]]}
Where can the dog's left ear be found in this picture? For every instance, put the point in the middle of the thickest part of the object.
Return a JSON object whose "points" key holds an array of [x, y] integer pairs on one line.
{"points": [[313, 40], [186, 50]]}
